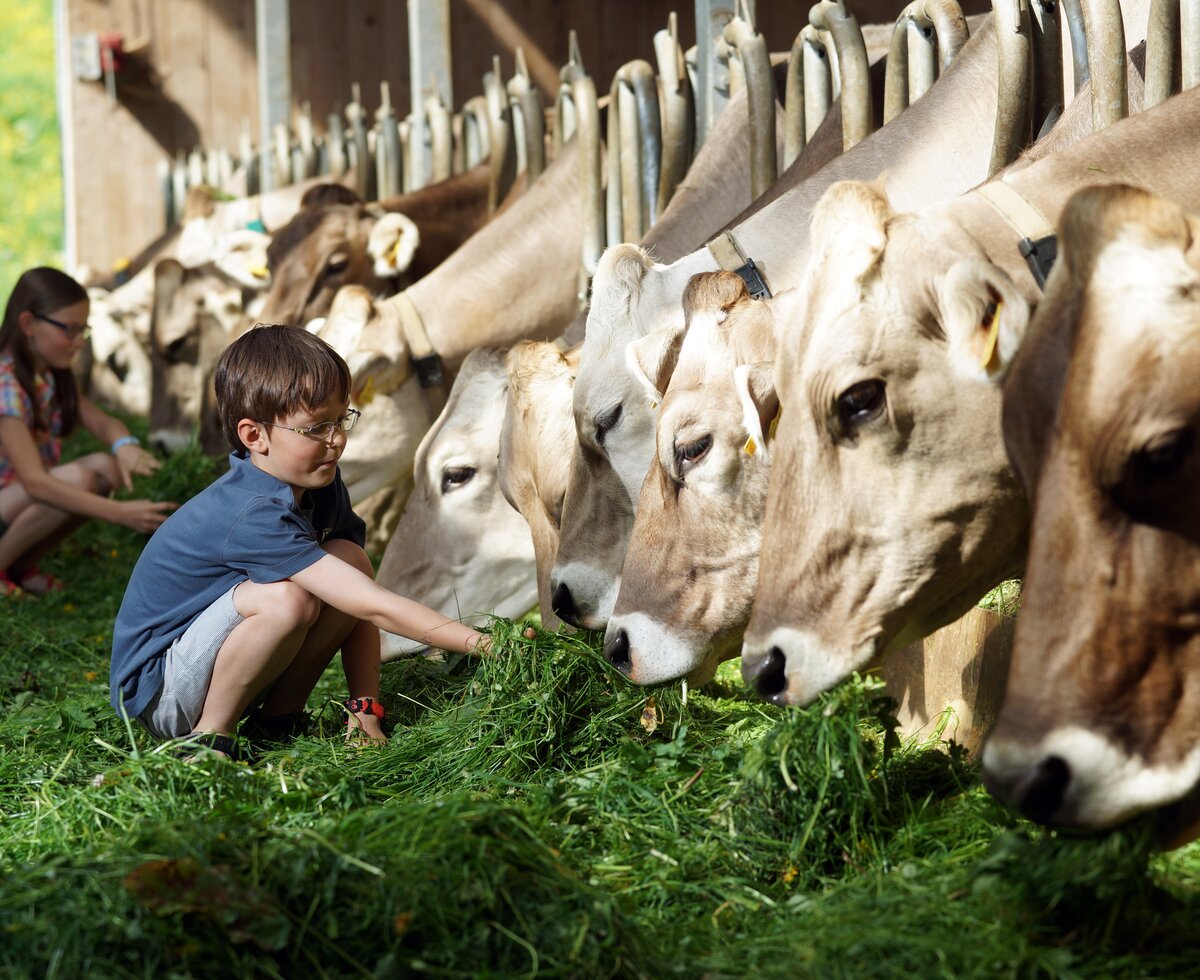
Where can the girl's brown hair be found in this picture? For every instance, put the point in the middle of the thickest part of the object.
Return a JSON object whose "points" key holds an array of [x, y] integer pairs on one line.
{"points": [[41, 291], [271, 372]]}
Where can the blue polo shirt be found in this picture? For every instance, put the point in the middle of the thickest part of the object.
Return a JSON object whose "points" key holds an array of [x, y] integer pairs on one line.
{"points": [[243, 526]]}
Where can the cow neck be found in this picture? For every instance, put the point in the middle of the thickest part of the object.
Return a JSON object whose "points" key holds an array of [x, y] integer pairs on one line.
{"points": [[937, 148]]}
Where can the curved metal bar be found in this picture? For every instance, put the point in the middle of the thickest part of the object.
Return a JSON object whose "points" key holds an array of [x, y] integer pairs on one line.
{"points": [[502, 155], [922, 58], [587, 133], [613, 230], [1047, 62], [676, 110], [1015, 58], [529, 121], [565, 112], [640, 149], [751, 50], [949, 25], [895, 78], [857, 120], [306, 142], [1081, 73], [364, 168], [1106, 57], [818, 80], [474, 131], [1163, 61], [1189, 43], [441, 138], [335, 145], [388, 152]]}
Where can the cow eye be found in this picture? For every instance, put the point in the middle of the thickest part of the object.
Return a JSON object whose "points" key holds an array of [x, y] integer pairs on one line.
{"points": [[860, 403], [338, 262], [689, 454], [454, 477], [606, 422], [1163, 456]]}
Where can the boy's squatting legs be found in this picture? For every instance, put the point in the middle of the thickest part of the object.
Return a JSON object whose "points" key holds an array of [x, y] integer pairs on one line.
{"points": [[34, 529], [284, 643]]}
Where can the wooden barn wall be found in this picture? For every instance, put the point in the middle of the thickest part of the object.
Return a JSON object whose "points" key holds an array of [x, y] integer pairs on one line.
{"points": [[201, 87]]}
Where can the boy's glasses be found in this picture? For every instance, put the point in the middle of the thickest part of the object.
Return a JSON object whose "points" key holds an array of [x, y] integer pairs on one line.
{"points": [[72, 330], [322, 430]]}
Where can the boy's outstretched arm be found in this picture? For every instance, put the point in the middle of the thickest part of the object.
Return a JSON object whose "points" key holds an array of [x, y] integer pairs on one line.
{"points": [[346, 588]]}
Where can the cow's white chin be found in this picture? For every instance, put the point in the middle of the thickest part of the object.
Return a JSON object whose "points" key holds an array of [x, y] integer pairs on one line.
{"points": [[793, 666], [657, 654], [1104, 785]]}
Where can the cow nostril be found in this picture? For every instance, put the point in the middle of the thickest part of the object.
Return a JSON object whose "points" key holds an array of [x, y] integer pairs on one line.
{"points": [[564, 606], [769, 677], [1040, 795], [617, 651]]}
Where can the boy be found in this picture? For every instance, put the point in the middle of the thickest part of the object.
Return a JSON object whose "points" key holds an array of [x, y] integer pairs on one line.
{"points": [[245, 593]]}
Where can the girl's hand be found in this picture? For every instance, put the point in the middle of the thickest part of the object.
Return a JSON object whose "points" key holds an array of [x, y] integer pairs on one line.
{"points": [[133, 460], [144, 515]]}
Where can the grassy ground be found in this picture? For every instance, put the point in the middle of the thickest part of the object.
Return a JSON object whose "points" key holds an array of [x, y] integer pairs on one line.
{"points": [[532, 816], [31, 217]]}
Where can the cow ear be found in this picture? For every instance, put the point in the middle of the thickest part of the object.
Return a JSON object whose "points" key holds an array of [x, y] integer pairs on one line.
{"points": [[392, 244], [849, 227], [651, 360], [755, 387], [242, 255], [984, 316]]}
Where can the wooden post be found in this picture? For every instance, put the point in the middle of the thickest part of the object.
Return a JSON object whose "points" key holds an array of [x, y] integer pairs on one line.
{"points": [[428, 70], [273, 45]]}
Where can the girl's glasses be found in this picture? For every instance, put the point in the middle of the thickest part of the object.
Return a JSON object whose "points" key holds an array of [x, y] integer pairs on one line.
{"points": [[73, 331], [322, 430]]}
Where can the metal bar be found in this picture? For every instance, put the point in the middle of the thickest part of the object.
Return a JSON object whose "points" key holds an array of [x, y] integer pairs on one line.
{"points": [[273, 45], [429, 73]]}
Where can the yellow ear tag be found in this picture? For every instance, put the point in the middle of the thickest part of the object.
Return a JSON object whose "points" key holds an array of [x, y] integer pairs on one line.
{"points": [[774, 424], [258, 271], [367, 395], [989, 344], [653, 405], [751, 447], [393, 252]]}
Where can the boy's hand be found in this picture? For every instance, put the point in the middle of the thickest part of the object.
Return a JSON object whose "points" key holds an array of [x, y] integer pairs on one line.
{"points": [[364, 728]]}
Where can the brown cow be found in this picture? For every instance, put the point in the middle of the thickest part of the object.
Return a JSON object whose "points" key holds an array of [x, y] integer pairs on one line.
{"points": [[1101, 419], [336, 240]]}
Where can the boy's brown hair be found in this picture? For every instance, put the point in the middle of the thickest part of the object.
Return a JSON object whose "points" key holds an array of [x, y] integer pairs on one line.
{"points": [[272, 371]]}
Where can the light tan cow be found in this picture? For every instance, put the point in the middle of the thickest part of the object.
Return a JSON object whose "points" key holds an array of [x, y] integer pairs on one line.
{"points": [[1102, 421], [459, 547], [533, 440], [892, 506], [937, 148], [692, 561]]}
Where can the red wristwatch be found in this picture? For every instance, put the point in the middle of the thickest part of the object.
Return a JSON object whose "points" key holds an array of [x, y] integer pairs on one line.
{"points": [[363, 706]]}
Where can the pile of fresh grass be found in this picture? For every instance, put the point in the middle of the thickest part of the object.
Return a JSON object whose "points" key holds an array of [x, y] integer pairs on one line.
{"points": [[532, 815]]}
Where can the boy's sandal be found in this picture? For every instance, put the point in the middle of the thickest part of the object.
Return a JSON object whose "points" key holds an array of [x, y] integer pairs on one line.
{"points": [[363, 706], [215, 741], [28, 580]]}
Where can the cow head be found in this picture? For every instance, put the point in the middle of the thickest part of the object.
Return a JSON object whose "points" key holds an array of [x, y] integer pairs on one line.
{"points": [[892, 508], [688, 578], [534, 444], [328, 246], [459, 547], [396, 413], [120, 373], [1102, 421], [614, 425], [195, 314]]}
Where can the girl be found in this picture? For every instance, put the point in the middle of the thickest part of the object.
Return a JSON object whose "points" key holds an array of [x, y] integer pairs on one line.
{"points": [[41, 502]]}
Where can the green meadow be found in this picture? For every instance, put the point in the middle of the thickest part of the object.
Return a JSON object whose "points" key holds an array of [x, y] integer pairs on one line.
{"points": [[533, 815]]}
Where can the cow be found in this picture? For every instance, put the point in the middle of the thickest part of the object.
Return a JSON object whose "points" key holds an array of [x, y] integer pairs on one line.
{"points": [[532, 462], [938, 147], [459, 547], [336, 240], [892, 507], [1101, 720], [692, 560]]}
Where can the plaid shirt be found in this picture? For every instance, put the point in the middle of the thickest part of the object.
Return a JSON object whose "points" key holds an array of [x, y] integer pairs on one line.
{"points": [[15, 402]]}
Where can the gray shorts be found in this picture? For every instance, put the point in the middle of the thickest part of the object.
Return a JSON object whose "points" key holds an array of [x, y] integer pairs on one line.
{"points": [[188, 669]]}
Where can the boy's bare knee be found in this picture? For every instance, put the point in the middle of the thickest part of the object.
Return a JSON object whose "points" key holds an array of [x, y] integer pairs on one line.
{"points": [[293, 604]]}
